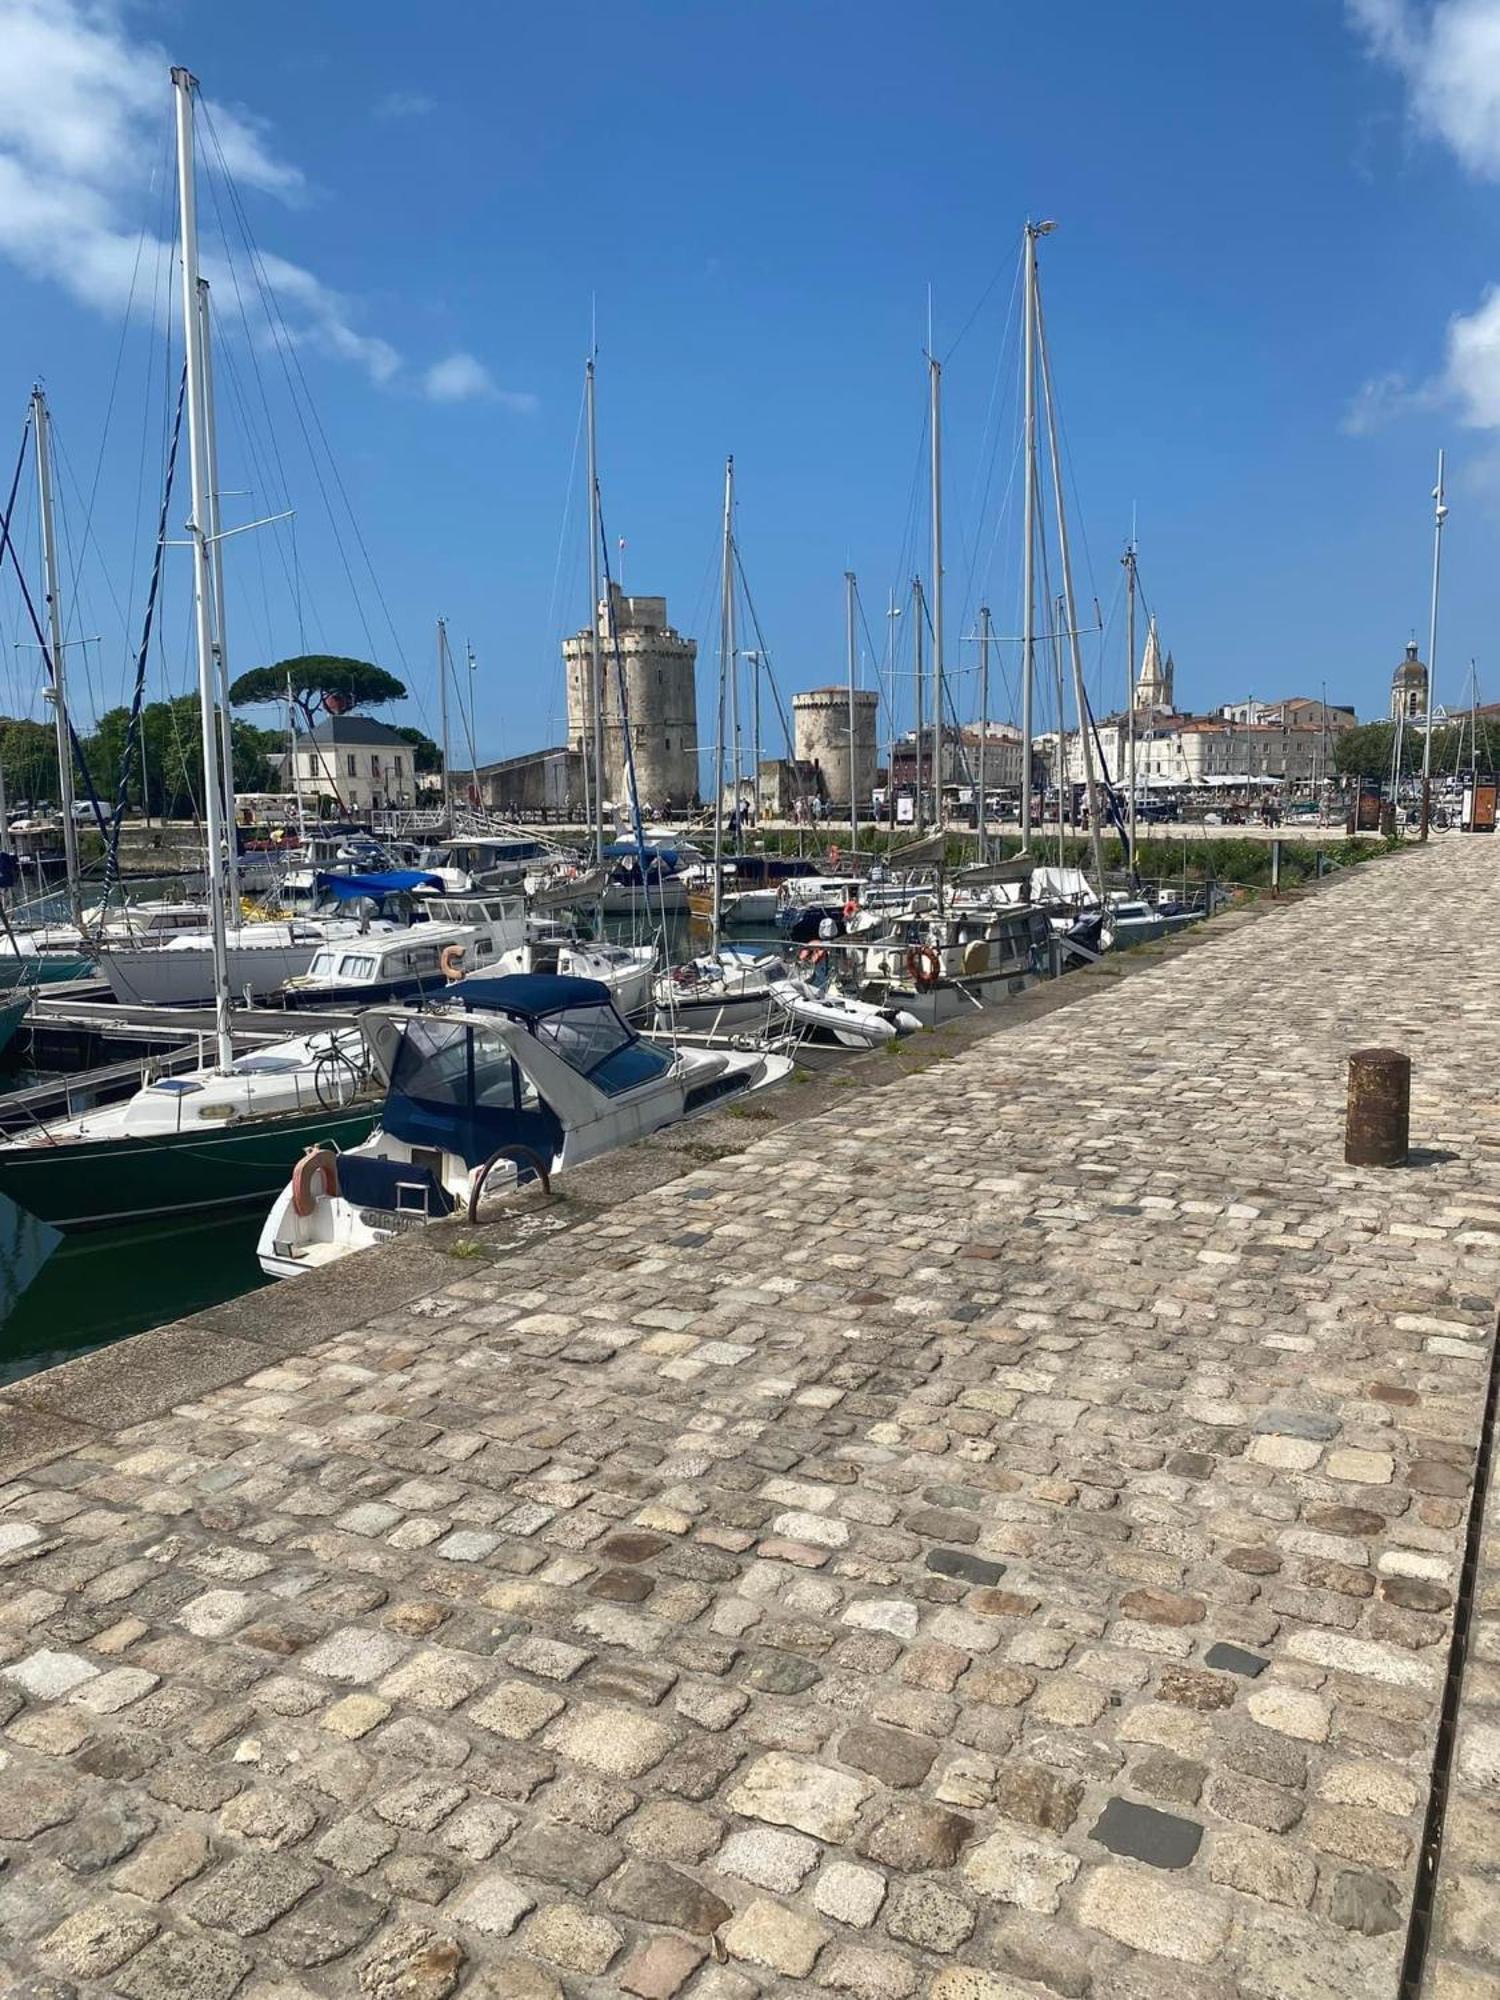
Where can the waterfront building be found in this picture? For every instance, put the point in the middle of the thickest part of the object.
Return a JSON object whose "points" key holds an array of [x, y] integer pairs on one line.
{"points": [[820, 731], [362, 763], [658, 666]]}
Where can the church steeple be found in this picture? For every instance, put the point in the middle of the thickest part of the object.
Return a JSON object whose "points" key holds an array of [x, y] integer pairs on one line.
{"points": [[1154, 687]]}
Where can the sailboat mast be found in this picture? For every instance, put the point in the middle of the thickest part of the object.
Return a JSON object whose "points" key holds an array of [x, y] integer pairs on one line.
{"points": [[1028, 531], [1439, 515], [726, 654], [184, 83], [1080, 699], [596, 657], [221, 645], [42, 425], [935, 417], [919, 619], [982, 823], [849, 650], [1130, 687], [442, 667]]}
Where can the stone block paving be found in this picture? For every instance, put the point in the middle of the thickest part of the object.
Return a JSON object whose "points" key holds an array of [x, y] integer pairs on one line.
{"points": [[996, 1539]]}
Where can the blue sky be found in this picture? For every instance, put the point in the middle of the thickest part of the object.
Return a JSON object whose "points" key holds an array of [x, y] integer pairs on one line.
{"points": [[1266, 296]]}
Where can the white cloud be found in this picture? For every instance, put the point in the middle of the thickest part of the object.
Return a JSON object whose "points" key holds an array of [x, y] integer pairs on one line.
{"points": [[461, 378], [85, 109], [1448, 54], [405, 104]]}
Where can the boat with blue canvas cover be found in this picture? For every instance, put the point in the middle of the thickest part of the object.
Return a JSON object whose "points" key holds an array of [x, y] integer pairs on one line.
{"points": [[509, 1077]]}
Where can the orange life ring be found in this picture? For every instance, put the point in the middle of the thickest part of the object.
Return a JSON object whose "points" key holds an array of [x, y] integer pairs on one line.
{"points": [[316, 1160], [924, 965], [851, 909], [451, 961]]}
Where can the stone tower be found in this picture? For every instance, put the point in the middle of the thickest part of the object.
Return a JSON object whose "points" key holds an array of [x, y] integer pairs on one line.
{"points": [[820, 728], [1154, 688], [661, 696], [1409, 687]]}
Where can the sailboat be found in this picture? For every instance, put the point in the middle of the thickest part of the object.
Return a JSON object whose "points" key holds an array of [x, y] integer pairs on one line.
{"points": [[227, 1133]]}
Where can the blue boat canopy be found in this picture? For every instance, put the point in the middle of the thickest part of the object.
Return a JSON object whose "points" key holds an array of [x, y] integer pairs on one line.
{"points": [[528, 995], [392, 882]]}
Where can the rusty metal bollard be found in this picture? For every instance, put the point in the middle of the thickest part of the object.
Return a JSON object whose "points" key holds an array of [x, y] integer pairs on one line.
{"points": [[1378, 1121]]}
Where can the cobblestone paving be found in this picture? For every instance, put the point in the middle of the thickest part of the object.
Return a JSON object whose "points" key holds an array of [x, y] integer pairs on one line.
{"points": [[995, 1540]]}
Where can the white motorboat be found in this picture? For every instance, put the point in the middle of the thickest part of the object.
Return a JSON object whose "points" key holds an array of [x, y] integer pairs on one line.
{"points": [[625, 969], [513, 1076], [818, 1011], [457, 935], [729, 989]]}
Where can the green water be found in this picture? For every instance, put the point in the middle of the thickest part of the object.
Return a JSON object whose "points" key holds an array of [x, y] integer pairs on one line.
{"points": [[103, 1284]]}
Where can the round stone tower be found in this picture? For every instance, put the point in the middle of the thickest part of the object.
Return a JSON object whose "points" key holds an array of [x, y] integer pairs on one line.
{"points": [[820, 726], [661, 696]]}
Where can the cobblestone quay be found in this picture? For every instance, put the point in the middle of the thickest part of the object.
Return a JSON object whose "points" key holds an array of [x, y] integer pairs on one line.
{"points": [[998, 1537]]}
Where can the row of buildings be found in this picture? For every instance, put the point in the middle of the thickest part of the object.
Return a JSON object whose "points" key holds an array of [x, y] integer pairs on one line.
{"points": [[650, 723]]}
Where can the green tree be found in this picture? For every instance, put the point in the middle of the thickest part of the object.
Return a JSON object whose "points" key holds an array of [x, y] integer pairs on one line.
{"points": [[427, 756], [319, 683], [28, 755], [1365, 751]]}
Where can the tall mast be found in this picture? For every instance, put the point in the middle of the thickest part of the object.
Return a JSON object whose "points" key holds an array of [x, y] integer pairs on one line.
{"points": [[919, 619], [726, 654], [849, 649], [596, 657], [184, 83], [221, 644], [935, 417], [1080, 699], [984, 728], [42, 424], [291, 764], [1439, 515], [1028, 553], [442, 667], [1129, 560]]}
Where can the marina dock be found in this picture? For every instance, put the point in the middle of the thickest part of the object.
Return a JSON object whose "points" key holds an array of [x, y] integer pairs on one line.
{"points": [[1003, 1522]]}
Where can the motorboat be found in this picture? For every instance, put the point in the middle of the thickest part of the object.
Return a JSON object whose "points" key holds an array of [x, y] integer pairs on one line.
{"points": [[626, 969], [736, 991], [457, 934], [751, 885], [817, 1011], [938, 967], [720, 991], [511, 1078], [198, 1140], [645, 878], [817, 906]]}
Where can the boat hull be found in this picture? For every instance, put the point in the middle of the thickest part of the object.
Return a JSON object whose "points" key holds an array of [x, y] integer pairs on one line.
{"points": [[159, 978], [43, 968], [93, 1183]]}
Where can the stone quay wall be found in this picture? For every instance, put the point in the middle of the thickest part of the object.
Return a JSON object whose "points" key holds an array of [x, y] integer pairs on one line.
{"points": [[995, 1537]]}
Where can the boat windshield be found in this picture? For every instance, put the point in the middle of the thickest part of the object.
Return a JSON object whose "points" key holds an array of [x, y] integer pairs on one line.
{"points": [[596, 1042]]}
